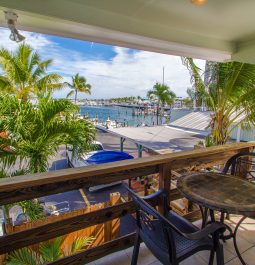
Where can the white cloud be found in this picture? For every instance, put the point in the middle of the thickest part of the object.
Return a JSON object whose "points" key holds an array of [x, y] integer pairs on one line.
{"points": [[127, 73], [37, 41]]}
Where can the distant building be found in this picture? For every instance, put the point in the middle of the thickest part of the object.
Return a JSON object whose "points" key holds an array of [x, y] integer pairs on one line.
{"points": [[178, 103]]}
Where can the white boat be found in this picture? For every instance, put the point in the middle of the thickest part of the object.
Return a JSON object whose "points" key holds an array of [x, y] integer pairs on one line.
{"points": [[79, 162], [110, 124]]}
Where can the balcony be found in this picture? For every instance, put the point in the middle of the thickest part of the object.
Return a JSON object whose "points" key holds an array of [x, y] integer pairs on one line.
{"points": [[246, 243], [118, 250]]}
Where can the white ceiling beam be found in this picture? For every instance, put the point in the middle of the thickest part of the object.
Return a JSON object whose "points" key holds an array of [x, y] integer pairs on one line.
{"points": [[59, 27]]}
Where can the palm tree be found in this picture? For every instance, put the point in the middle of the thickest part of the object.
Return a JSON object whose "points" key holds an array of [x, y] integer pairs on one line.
{"points": [[36, 132], [163, 94], [48, 251], [79, 84], [230, 95], [197, 92], [24, 73]]}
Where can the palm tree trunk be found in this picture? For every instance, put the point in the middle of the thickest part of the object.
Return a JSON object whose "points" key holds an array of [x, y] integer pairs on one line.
{"points": [[75, 97], [157, 112]]}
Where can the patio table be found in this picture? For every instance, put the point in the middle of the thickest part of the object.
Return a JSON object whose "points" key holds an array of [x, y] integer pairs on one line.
{"points": [[219, 192]]}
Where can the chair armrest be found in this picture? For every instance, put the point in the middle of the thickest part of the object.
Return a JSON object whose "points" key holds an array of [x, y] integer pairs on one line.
{"points": [[205, 232], [155, 195], [154, 199]]}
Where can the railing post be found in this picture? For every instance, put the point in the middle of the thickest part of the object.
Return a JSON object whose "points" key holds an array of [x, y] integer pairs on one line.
{"points": [[164, 183], [112, 228]]}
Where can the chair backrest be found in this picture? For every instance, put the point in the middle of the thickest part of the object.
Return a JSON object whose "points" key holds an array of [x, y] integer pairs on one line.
{"points": [[154, 230], [242, 164]]}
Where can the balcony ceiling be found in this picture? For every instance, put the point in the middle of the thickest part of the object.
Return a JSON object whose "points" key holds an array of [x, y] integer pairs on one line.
{"points": [[219, 30]]}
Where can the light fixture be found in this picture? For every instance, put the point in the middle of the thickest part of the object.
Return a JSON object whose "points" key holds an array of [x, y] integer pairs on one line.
{"points": [[12, 19], [198, 2]]}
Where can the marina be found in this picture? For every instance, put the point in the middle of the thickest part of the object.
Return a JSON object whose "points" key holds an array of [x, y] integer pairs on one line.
{"points": [[124, 116]]}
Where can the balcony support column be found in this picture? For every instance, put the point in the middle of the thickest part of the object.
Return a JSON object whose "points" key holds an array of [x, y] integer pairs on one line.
{"points": [[164, 183]]}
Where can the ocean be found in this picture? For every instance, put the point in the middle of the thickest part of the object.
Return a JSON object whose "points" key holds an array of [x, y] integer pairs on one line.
{"points": [[124, 114]]}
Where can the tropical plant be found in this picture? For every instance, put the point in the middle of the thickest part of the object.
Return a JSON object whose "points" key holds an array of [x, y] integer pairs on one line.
{"points": [[31, 208], [188, 102], [34, 133], [79, 84], [48, 251], [24, 73], [229, 94], [163, 94], [197, 92]]}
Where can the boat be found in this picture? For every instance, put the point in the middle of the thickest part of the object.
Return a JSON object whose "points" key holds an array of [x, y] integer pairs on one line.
{"points": [[102, 157], [78, 162], [99, 156], [110, 124]]}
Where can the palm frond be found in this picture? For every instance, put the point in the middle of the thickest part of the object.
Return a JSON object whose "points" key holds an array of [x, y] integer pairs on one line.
{"points": [[35, 133], [26, 72], [51, 250], [79, 243], [70, 94], [24, 256]]}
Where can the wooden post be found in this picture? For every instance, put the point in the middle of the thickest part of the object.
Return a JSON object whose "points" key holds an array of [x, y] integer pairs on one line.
{"points": [[164, 183], [112, 228]]}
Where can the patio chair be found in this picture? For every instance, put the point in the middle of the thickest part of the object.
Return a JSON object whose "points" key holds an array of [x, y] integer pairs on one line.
{"points": [[242, 164], [172, 238]]}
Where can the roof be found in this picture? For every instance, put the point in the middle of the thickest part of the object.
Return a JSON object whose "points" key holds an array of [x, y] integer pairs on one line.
{"points": [[160, 137], [195, 121], [219, 30]]}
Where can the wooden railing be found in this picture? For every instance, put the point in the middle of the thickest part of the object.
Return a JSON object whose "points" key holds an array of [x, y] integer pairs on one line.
{"points": [[33, 186]]}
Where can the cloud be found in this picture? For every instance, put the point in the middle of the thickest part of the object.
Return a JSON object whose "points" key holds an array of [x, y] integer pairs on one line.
{"points": [[127, 73], [37, 41]]}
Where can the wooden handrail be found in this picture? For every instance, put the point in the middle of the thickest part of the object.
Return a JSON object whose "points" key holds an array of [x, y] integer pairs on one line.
{"points": [[30, 186], [41, 233], [62, 227]]}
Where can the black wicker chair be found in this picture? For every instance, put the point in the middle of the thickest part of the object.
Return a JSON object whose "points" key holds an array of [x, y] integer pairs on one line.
{"points": [[172, 238], [241, 164]]}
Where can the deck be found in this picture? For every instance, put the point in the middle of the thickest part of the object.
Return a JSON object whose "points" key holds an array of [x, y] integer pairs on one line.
{"points": [[246, 240], [43, 184]]}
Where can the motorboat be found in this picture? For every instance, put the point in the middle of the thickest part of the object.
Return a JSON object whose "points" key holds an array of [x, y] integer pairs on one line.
{"points": [[98, 156]]}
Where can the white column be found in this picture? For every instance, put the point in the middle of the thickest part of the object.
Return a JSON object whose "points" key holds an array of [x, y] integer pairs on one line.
{"points": [[238, 134]]}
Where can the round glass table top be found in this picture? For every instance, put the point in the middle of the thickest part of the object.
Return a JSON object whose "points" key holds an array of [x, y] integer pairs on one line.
{"points": [[221, 192]]}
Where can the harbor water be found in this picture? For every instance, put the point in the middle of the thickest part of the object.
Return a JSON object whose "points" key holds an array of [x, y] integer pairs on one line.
{"points": [[125, 115]]}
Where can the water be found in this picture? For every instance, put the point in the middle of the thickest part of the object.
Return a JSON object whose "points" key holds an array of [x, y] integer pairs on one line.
{"points": [[123, 114]]}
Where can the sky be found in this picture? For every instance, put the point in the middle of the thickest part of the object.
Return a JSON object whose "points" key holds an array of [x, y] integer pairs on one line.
{"points": [[112, 71]]}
